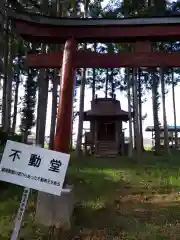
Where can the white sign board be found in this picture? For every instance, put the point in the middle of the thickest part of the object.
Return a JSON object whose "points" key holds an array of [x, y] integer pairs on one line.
{"points": [[34, 167]]}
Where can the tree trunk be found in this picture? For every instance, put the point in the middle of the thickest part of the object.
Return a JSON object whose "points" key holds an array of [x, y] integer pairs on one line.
{"points": [[94, 77], [107, 80], [130, 149], [44, 7], [82, 94], [140, 110], [5, 80], [57, 11], [133, 121], [16, 103], [81, 110], [42, 106], [155, 112], [54, 110], [8, 76], [3, 22], [166, 137], [174, 110], [112, 82], [136, 115]]}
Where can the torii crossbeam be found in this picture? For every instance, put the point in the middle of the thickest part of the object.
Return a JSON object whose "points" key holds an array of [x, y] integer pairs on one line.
{"points": [[58, 30], [107, 60]]}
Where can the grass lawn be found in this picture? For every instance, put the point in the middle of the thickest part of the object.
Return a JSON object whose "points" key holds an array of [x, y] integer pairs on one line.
{"points": [[116, 199]]}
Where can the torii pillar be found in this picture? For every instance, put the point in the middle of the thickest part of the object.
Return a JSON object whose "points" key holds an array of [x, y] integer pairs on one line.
{"points": [[64, 117], [51, 210]]}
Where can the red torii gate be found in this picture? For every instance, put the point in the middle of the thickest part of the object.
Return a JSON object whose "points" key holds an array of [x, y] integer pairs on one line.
{"points": [[72, 31]]}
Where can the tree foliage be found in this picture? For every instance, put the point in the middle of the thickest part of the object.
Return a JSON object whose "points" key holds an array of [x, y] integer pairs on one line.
{"points": [[29, 102]]}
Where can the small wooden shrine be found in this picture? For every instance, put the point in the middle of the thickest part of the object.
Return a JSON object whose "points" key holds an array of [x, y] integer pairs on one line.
{"points": [[106, 137]]}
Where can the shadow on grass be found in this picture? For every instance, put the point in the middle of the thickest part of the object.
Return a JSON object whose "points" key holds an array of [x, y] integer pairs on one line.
{"points": [[135, 221], [147, 159], [95, 185], [134, 214], [93, 162]]}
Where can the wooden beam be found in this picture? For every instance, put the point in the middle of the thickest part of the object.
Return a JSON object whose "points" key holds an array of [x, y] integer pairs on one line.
{"points": [[107, 60], [86, 22], [143, 46], [118, 33]]}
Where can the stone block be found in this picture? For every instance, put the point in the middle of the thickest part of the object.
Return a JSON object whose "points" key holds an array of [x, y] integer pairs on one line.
{"points": [[55, 211]]}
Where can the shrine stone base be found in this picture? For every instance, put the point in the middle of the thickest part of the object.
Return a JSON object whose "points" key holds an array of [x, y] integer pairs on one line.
{"points": [[55, 211]]}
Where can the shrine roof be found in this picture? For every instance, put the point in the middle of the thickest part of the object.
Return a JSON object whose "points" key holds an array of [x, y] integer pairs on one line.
{"points": [[40, 28], [109, 113], [109, 108], [120, 115], [170, 129]]}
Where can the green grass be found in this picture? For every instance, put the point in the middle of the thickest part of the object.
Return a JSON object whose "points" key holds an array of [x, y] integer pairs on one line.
{"points": [[116, 199]]}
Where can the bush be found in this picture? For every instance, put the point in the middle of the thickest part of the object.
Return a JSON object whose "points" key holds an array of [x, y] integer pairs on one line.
{"points": [[4, 136]]}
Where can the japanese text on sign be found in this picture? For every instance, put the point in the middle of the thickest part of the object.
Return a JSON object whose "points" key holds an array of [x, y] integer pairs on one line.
{"points": [[35, 160]]}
